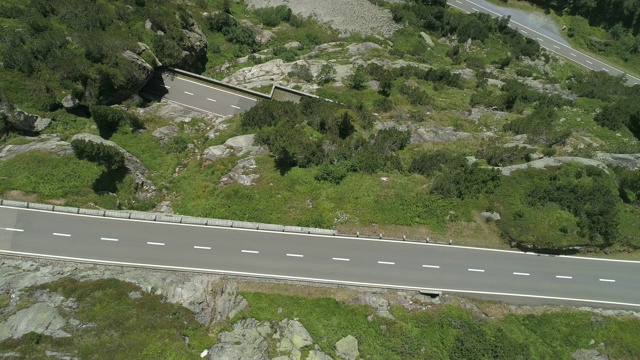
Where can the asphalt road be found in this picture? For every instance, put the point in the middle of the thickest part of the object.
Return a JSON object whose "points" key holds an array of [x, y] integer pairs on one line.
{"points": [[332, 259], [200, 96], [540, 31]]}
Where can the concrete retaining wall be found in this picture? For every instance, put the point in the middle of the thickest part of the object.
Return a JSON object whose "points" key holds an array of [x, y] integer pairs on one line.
{"points": [[41, 206], [93, 212], [66, 209], [142, 216], [245, 225]]}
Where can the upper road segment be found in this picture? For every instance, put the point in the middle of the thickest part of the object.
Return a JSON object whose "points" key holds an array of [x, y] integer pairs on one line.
{"points": [[329, 259], [548, 39]]}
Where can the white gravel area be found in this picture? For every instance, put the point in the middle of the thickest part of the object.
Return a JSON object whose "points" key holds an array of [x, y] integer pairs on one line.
{"points": [[346, 16]]}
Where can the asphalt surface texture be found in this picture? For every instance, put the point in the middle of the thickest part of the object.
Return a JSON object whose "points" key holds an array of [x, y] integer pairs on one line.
{"points": [[543, 31], [330, 259], [199, 95]]}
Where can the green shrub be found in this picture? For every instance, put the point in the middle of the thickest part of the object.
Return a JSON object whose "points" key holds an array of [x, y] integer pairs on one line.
{"points": [[273, 16], [177, 145], [467, 181], [332, 173], [101, 154], [429, 163]]}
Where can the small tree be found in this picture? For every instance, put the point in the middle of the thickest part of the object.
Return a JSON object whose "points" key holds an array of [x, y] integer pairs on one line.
{"points": [[358, 78], [326, 75], [105, 155]]}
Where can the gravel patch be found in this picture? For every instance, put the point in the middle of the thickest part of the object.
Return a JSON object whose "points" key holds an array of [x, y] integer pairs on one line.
{"points": [[352, 16]]}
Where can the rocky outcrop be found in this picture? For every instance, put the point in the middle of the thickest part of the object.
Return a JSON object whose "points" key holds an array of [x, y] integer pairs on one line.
{"points": [[553, 161], [246, 341], [143, 74], [627, 161], [436, 133], [292, 337], [376, 301], [588, 354], [51, 144], [40, 318], [214, 153], [262, 36], [228, 303], [362, 48], [427, 39], [238, 145], [166, 133], [145, 189], [318, 355], [23, 121], [347, 348], [194, 52], [237, 174]]}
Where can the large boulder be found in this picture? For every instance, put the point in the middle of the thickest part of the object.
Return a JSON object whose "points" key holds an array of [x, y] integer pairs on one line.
{"points": [[145, 189], [376, 301], [293, 337], [51, 144], [627, 161], [237, 174], [70, 101], [23, 121], [194, 51], [347, 348], [136, 80], [228, 303], [246, 341]]}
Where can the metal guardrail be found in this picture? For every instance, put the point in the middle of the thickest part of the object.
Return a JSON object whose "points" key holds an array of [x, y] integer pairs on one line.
{"points": [[165, 218]]}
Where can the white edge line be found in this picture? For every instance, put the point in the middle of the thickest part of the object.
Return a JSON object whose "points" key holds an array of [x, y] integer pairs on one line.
{"points": [[341, 259], [521, 274], [476, 270], [61, 234], [193, 107], [108, 239], [202, 247], [408, 243], [215, 88], [386, 263], [155, 243], [250, 251], [564, 277], [607, 280], [431, 266], [295, 255], [320, 280]]}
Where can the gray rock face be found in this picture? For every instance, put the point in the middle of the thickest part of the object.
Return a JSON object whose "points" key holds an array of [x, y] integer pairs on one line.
{"points": [[436, 134], [555, 161], [237, 174], [362, 48], [588, 354], [227, 302], [51, 144], [262, 36], [23, 121], [216, 152], [143, 74], [347, 348], [195, 50], [40, 318], [145, 188], [318, 355], [490, 215], [427, 39], [627, 161], [166, 133], [354, 16], [70, 101], [247, 341], [376, 301], [144, 48], [293, 337], [243, 144]]}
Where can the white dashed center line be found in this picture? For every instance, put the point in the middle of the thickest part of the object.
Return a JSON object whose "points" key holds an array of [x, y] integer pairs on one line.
{"points": [[474, 9], [59, 234], [108, 239], [458, 1], [235, 107], [155, 243], [589, 62], [572, 54], [556, 46], [476, 270], [605, 69], [12, 229], [564, 277], [211, 99], [431, 266], [188, 93], [295, 255], [524, 32], [386, 262], [607, 280], [250, 251], [168, 87], [521, 274], [202, 247], [341, 259], [539, 39]]}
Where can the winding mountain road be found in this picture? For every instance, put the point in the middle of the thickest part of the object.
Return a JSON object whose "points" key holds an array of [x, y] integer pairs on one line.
{"points": [[317, 258]]}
